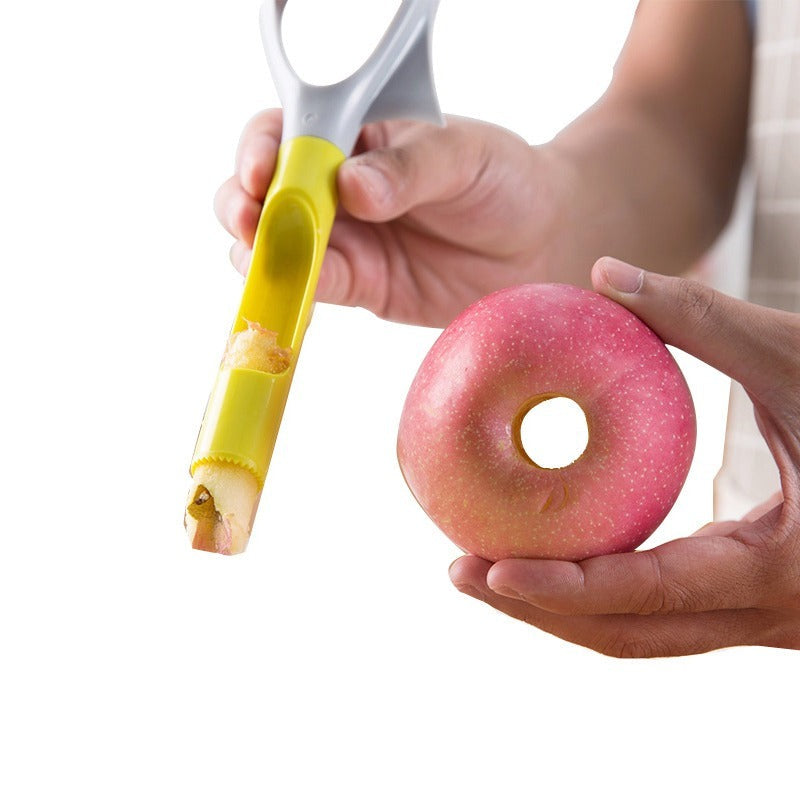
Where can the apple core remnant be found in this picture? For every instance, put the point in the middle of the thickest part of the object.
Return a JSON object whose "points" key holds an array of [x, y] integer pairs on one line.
{"points": [[224, 496]]}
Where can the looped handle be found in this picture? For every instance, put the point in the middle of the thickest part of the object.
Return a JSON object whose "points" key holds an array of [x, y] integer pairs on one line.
{"points": [[396, 81]]}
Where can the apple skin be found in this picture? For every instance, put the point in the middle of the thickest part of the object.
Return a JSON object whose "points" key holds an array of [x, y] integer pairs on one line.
{"points": [[459, 446]]}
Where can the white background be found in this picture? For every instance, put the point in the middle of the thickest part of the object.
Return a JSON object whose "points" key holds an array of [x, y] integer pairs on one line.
{"points": [[333, 658]]}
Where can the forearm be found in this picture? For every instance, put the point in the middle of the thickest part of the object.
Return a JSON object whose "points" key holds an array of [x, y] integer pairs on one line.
{"points": [[630, 190], [649, 173]]}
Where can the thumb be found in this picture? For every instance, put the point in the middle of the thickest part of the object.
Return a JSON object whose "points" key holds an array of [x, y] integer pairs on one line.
{"points": [[755, 345], [429, 165]]}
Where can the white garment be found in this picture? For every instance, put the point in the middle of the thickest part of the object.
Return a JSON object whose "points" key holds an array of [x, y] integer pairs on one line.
{"points": [[748, 475]]}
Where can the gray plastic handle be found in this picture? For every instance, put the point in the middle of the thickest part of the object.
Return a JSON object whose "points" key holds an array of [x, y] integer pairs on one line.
{"points": [[396, 81]]}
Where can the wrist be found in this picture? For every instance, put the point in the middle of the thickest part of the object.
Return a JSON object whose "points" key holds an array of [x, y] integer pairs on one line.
{"points": [[562, 252]]}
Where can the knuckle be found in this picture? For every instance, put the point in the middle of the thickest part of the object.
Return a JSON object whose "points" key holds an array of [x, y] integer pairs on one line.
{"points": [[787, 567], [779, 631], [638, 648], [778, 334], [775, 561], [772, 579], [624, 645], [785, 337], [376, 135], [679, 600], [235, 209], [650, 600], [696, 301], [241, 215], [654, 596], [659, 595], [343, 285]]}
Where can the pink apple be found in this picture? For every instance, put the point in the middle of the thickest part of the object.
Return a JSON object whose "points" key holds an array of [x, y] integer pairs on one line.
{"points": [[459, 443]]}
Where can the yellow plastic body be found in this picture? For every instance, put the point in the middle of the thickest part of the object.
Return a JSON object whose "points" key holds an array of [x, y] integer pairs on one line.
{"points": [[246, 406]]}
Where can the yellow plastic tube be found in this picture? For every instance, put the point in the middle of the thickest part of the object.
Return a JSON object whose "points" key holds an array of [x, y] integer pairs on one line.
{"points": [[244, 411]]}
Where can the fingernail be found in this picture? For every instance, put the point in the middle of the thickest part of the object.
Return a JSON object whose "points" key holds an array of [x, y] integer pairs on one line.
{"points": [[623, 277], [507, 591]]}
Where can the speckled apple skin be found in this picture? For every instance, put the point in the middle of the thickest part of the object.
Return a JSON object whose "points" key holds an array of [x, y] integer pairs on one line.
{"points": [[458, 442]]}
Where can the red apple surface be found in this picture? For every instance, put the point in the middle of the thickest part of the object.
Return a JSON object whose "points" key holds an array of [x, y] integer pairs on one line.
{"points": [[459, 443]]}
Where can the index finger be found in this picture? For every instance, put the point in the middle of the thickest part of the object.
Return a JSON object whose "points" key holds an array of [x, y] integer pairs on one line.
{"points": [[687, 575]]}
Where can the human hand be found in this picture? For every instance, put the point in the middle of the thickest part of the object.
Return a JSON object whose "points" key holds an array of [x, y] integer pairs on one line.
{"points": [[732, 582], [430, 218]]}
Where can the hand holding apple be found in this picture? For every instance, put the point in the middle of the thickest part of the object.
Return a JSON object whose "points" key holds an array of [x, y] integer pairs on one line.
{"points": [[733, 582]]}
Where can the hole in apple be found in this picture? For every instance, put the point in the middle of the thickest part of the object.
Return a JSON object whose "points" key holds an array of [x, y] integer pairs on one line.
{"points": [[552, 432]]}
